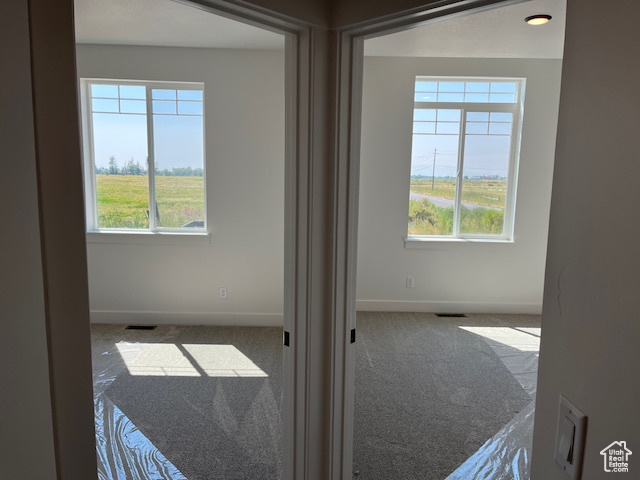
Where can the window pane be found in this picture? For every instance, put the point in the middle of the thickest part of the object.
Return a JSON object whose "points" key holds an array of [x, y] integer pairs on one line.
{"points": [[104, 91], [133, 106], [165, 107], [477, 128], [477, 116], [102, 105], [471, 92], [509, 87], [425, 97], [502, 98], [477, 87], [501, 117], [501, 123], [451, 97], [484, 185], [434, 160], [190, 95], [138, 92], [426, 86], [424, 127], [476, 97], [438, 174], [448, 128], [451, 86], [190, 108], [500, 129], [448, 115], [424, 114], [179, 162], [162, 94], [122, 186]]}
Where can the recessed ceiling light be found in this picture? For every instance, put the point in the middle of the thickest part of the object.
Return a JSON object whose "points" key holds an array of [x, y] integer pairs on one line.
{"points": [[538, 19]]}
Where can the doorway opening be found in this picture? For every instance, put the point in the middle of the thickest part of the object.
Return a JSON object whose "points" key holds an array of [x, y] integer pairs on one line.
{"points": [[183, 116], [456, 160]]}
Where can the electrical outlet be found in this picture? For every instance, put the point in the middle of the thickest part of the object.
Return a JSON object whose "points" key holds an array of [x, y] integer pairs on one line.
{"points": [[409, 282], [223, 292]]}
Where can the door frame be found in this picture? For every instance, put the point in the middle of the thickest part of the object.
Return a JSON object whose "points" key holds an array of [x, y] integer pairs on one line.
{"points": [[349, 81], [323, 78]]}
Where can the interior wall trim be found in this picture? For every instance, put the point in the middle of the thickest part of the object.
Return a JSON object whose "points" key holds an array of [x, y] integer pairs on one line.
{"points": [[449, 307], [221, 319]]}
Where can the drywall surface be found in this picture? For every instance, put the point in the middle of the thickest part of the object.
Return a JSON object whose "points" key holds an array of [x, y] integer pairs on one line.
{"points": [[177, 281], [26, 432], [313, 12], [591, 321], [353, 12], [450, 276]]}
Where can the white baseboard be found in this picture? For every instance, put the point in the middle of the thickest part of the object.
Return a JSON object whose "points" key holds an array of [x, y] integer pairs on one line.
{"points": [[187, 318], [276, 319], [448, 307]]}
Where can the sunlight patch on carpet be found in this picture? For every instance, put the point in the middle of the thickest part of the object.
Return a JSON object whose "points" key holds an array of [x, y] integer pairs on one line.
{"points": [[188, 360]]}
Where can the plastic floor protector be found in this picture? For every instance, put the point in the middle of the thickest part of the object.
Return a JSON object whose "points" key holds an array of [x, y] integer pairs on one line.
{"points": [[507, 455], [187, 402], [124, 453]]}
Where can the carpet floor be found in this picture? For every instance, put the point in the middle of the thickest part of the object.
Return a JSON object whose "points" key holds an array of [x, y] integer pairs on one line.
{"points": [[428, 394], [204, 403], [207, 398]]}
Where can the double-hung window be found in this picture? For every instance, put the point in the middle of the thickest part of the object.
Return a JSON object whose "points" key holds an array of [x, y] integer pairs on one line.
{"points": [[464, 157], [144, 155]]}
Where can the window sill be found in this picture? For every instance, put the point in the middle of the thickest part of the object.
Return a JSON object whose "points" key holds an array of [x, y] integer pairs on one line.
{"points": [[435, 242], [149, 238]]}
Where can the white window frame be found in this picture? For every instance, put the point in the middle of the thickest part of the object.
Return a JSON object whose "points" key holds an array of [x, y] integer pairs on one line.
{"points": [[517, 109], [89, 164]]}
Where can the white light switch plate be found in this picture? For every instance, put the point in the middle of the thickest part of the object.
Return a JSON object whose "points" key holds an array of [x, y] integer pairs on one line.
{"points": [[570, 436]]}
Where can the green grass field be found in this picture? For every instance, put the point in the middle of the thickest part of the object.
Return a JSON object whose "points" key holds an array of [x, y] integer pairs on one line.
{"points": [[123, 200], [425, 218], [491, 193]]}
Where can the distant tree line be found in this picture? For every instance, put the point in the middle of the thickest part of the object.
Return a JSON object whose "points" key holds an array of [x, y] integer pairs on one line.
{"points": [[135, 168], [180, 172], [425, 180]]}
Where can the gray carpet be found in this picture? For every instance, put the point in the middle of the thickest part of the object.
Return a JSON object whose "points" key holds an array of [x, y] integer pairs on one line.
{"points": [[211, 427], [428, 395]]}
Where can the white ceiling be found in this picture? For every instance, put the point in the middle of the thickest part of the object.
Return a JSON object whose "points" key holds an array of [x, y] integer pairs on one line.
{"points": [[499, 32], [496, 33], [164, 23]]}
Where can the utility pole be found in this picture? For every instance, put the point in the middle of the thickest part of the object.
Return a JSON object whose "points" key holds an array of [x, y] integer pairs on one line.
{"points": [[433, 175]]}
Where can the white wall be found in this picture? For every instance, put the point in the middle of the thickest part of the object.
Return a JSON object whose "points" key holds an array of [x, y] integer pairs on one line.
{"points": [[244, 121], [450, 277], [591, 320]]}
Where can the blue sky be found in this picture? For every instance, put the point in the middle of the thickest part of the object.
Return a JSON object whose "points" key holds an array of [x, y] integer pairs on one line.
{"points": [[178, 139], [120, 125], [487, 143], [484, 155]]}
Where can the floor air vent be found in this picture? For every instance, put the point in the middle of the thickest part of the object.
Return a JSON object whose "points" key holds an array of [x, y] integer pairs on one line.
{"points": [[141, 327], [451, 315]]}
